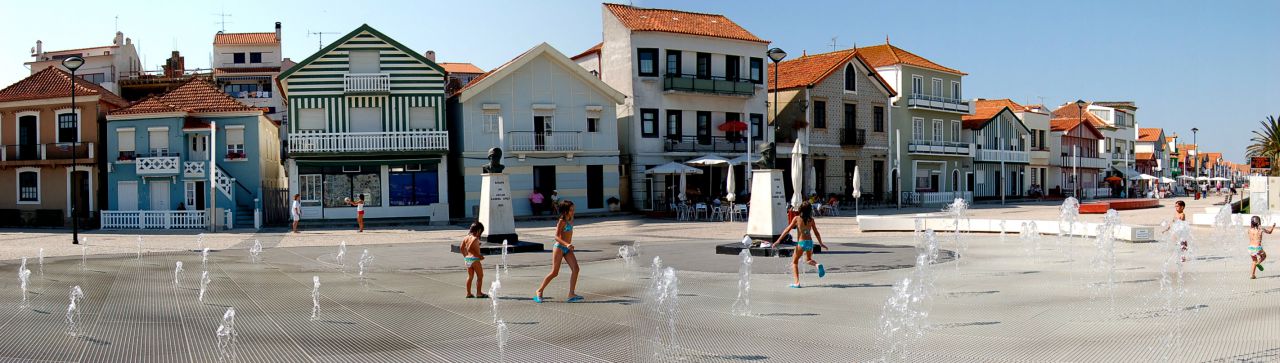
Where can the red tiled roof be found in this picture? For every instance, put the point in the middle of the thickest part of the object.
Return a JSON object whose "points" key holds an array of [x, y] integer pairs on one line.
{"points": [[475, 81], [1144, 156], [810, 70], [196, 95], [680, 22], [245, 38], [885, 54], [193, 123], [53, 82], [1148, 134], [595, 49], [985, 110], [1071, 124], [1071, 112], [457, 67], [222, 71]]}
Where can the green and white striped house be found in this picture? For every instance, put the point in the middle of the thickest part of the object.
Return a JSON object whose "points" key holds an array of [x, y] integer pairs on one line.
{"points": [[367, 119]]}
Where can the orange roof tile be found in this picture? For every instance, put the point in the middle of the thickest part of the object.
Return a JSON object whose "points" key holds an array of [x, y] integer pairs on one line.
{"points": [[458, 67], [595, 49], [810, 70], [680, 22], [1148, 134], [1071, 112], [886, 54], [53, 82], [985, 110], [1071, 124], [245, 38], [1144, 156], [196, 95]]}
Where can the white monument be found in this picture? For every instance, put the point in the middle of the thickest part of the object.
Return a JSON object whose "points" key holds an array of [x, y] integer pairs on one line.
{"points": [[768, 205], [495, 209]]}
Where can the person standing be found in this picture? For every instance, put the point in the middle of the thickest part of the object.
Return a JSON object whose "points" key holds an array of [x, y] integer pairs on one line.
{"points": [[535, 202], [359, 204], [471, 256], [295, 211]]}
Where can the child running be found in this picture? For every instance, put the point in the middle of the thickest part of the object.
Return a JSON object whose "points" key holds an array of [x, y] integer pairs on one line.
{"points": [[563, 251], [470, 250], [1256, 254], [806, 229], [1181, 216]]}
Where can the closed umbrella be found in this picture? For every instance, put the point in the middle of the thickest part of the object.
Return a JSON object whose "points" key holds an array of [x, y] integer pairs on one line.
{"points": [[857, 190], [731, 187], [682, 187], [797, 173], [811, 181]]}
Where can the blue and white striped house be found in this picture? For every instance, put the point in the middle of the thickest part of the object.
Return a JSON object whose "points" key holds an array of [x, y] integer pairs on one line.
{"points": [[367, 118]]}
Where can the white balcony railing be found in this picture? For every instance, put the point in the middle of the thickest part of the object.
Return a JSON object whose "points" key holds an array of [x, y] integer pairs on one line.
{"points": [[940, 148], [935, 198], [333, 142], [366, 82], [1083, 162], [938, 103], [157, 165], [1012, 156], [553, 141], [159, 219], [193, 169]]}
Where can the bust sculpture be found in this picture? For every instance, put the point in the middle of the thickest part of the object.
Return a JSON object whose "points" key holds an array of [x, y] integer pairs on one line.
{"points": [[495, 162], [766, 157]]}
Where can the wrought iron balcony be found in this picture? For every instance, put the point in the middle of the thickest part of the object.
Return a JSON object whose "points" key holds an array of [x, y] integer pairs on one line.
{"points": [[550, 141], [937, 103], [945, 148], [54, 151], [714, 85], [705, 143], [853, 137]]}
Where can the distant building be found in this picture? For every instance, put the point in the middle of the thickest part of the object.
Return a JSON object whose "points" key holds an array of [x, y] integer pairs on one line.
{"points": [[1149, 152], [1001, 160], [463, 72], [245, 66], [103, 65], [1075, 156]]}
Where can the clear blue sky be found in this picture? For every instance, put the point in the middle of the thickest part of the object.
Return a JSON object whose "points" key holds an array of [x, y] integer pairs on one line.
{"points": [[1187, 64]]}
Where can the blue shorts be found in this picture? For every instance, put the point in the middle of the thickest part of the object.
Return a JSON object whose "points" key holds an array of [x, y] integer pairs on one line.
{"points": [[806, 245]]}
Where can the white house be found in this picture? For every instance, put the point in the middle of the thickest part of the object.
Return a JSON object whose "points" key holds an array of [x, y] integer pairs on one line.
{"points": [[103, 65], [245, 66], [685, 75], [556, 123]]}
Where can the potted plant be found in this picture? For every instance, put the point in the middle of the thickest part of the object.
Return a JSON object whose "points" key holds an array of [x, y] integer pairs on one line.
{"points": [[235, 155]]}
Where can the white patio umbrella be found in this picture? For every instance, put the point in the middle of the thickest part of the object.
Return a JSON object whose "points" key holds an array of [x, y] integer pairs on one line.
{"points": [[741, 160], [731, 187], [797, 173], [1166, 180], [857, 190], [673, 168], [1143, 177], [682, 186], [1218, 178], [708, 160], [811, 180]]}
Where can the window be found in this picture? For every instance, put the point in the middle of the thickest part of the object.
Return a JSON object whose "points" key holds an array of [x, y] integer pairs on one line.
{"points": [[364, 119], [364, 61], [732, 67], [255, 57], [850, 78], [917, 85], [955, 89], [733, 136], [29, 186], [820, 114], [311, 119], [352, 182], [937, 87], [67, 128], [158, 139], [235, 142], [673, 62], [95, 78], [757, 126], [850, 117], [1102, 114], [310, 186], [593, 123], [675, 124], [937, 131], [877, 115], [240, 90], [917, 129], [955, 131], [237, 58], [490, 120], [419, 187], [704, 127], [704, 65], [649, 122], [648, 62], [422, 118], [757, 70], [125, 144]]}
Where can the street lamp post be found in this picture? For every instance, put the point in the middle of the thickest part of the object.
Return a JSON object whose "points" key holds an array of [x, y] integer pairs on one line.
{"points": [[776, 55], [72, 64], [1196, 146], [1075, 170]]}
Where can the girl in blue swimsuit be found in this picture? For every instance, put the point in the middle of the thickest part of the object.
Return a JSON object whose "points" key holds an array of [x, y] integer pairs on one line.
{"points": [[470, 249], [806, 230], [563, 251]]}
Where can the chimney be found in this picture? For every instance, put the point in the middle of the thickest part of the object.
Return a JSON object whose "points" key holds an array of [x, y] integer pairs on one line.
{"points": [[277, 31], [39, 49], [174, 66], [431, 55], [119, 40], [128, 41]]}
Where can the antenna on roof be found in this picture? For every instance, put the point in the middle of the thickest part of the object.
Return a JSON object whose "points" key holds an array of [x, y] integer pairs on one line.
{"points": [[222, 20], [117, 22], [886, 39], [834, 46], [319, 37]]}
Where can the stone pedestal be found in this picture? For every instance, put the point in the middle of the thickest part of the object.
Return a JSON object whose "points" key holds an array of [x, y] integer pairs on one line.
{"points": [[495, 209], [768, 216]]}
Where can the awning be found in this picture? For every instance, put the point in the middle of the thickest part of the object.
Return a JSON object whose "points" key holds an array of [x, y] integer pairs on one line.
{"points": [[345, 162], [673, 168], [1127, 172]]}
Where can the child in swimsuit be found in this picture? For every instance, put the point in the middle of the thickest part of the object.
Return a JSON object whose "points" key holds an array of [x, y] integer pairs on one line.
{"points": [[470, 249], [806, 230], [562, 252], [1181, 216], [1256, 254]]}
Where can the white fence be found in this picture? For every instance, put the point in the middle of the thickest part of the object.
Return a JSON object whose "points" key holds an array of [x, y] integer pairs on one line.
{"points": [[935, 198], [368, 82], [368, 141], [159, 219]]}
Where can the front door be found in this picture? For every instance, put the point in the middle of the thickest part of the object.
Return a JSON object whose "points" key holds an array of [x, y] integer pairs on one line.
{"points": [[127, 196], [198, 147], [934, 182], [195, 194], [159, 192], [28, 148], [80, 181], [877, 172]]}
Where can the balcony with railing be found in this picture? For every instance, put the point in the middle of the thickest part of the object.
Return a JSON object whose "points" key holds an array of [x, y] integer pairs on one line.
{"points": [[1068, 161], [1121, 156], [158, 164], [372, 142], [35, 153], [547, 141], [705, 144], [945, 148], [194, 169], [853, 137], [1009, 156], [366, 82], [710, 84], [937, 103]]}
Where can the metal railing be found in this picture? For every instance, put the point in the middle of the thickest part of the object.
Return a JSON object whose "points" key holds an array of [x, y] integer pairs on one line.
{"points": [[160, 219], [716, 85], [366, 82], [940, 147], [706, 143], [934, 198], [1014, 156], [54, 151], [853, 137], [1066, 161], [329, 142], [937, 103], [157, 165], [544, 141]]}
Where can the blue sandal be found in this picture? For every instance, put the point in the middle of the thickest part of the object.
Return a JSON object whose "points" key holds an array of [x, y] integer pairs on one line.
{"points": [[822, 271], [794, 286], [575, 298], [537, 299]]}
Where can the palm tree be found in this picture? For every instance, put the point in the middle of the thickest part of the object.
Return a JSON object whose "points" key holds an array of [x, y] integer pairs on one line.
{"points": [[1266, 141]]}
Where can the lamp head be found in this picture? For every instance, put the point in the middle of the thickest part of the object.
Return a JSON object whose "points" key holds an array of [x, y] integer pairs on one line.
{"points": [[777, 54], [73, 63], [1080, 103], [1195, 130]]}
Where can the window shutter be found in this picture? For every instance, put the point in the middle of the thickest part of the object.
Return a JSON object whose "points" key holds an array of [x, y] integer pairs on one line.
{"points": [[422, 118], [125, 140], [364, 61], [159, 139], [235, 136], [311, 119]]}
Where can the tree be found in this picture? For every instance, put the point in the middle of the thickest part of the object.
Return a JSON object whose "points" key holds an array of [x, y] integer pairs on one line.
{"points": [[1266, 142]]}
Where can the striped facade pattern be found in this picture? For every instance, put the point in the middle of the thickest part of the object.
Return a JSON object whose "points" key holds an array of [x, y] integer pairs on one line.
{"points": [[395, 110]]}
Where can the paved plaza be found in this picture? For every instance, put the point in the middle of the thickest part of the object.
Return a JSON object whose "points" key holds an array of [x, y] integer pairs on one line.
{"points": [[1002, 299]]}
